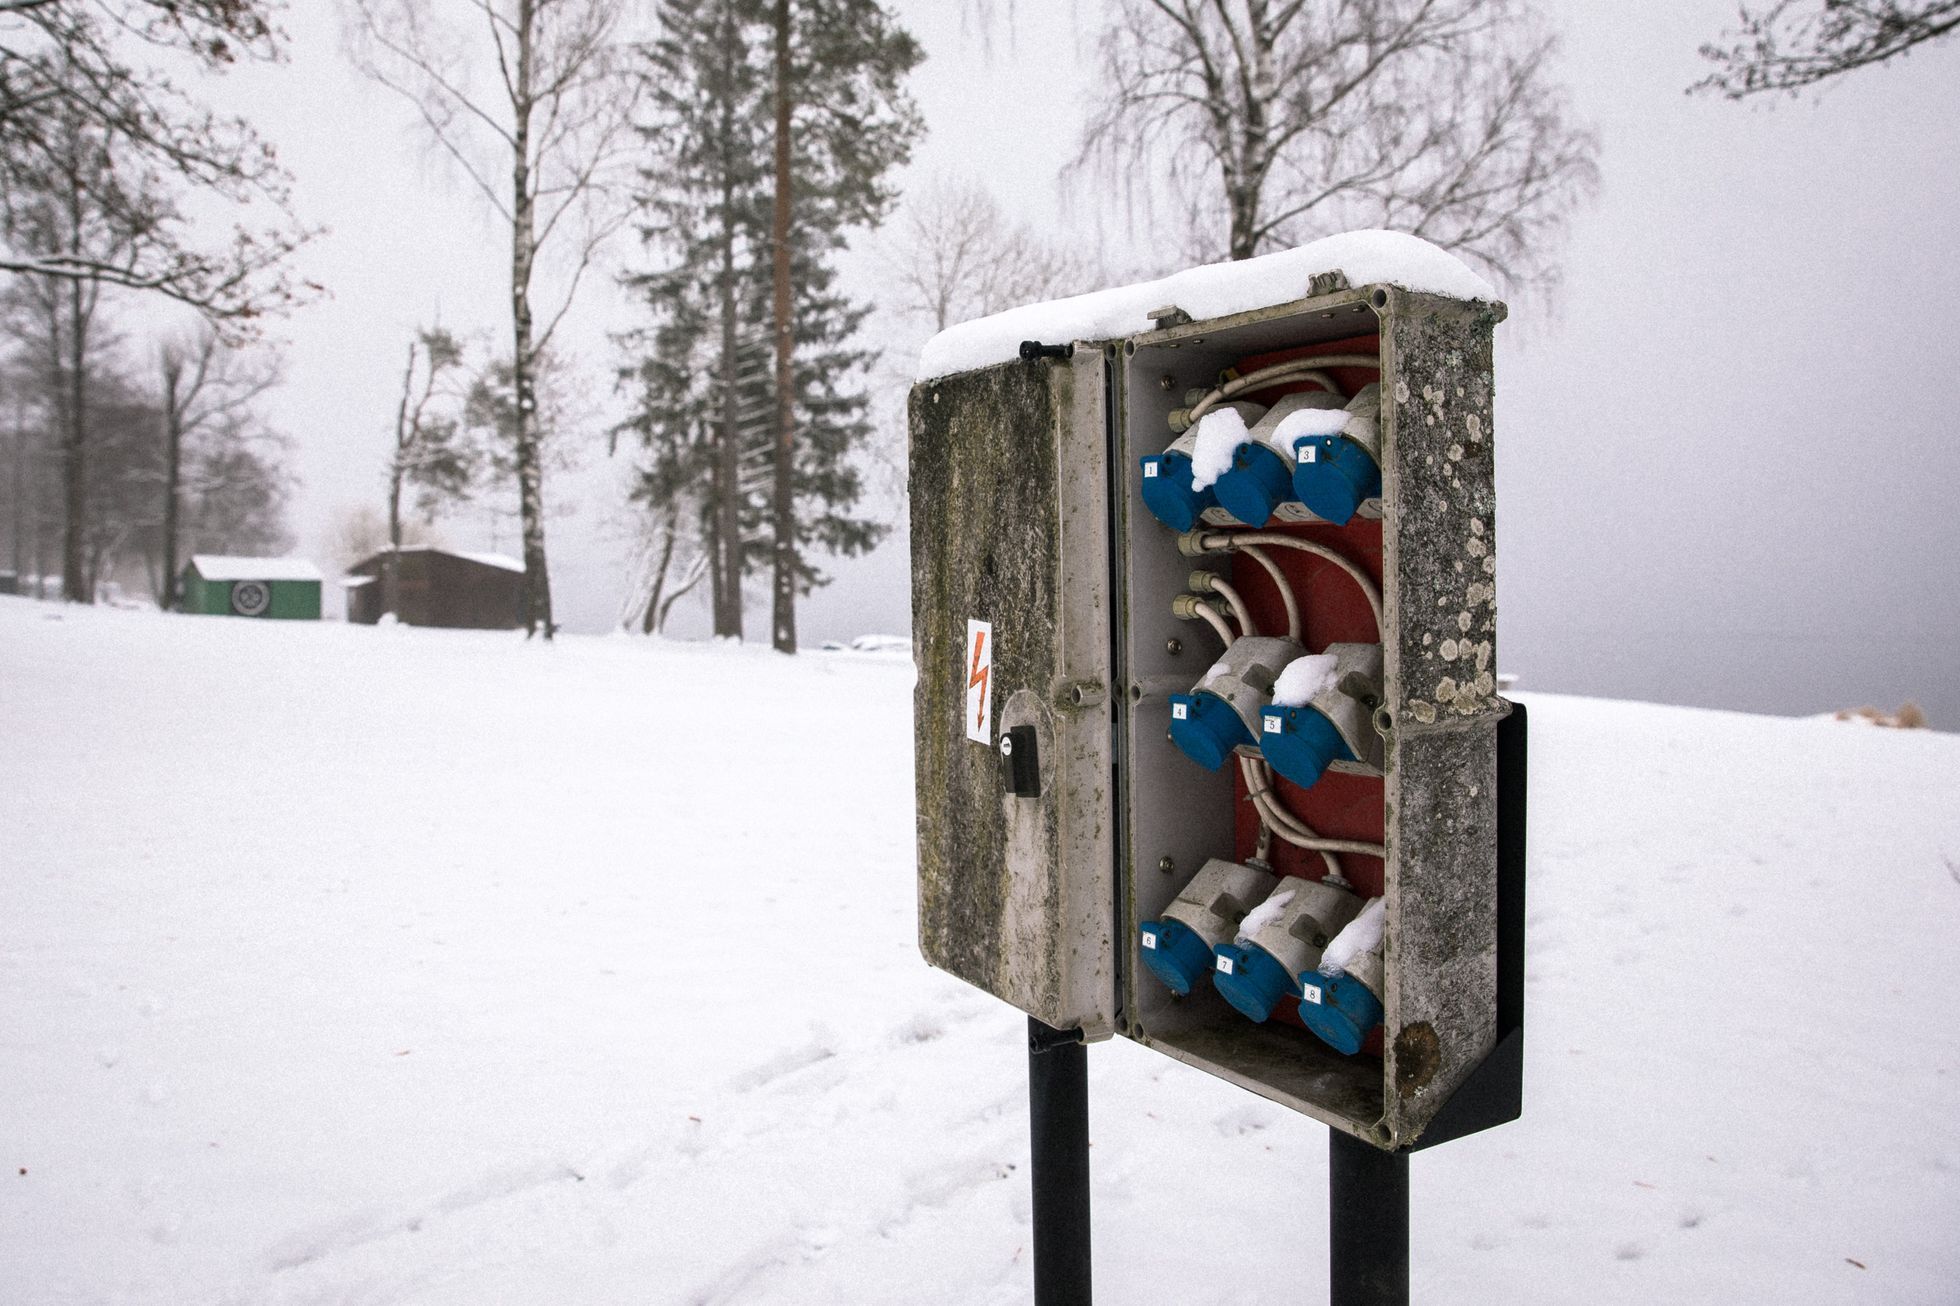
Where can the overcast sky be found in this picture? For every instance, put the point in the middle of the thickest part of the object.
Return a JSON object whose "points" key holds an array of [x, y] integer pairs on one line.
{"points": [[1727, 450]]}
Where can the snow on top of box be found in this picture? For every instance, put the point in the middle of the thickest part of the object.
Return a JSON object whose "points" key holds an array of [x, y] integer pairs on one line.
{"points": [[1215, 290], [503, 560], [222, 566]]}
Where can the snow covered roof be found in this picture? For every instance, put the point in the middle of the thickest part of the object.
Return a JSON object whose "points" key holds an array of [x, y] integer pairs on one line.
{"points": [[500, 560], [1215, 290], [220, 566], [503, 560]]}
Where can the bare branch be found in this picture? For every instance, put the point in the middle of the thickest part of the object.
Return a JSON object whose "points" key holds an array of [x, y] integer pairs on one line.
{"points": [[1273, 123], [1784, 48]]}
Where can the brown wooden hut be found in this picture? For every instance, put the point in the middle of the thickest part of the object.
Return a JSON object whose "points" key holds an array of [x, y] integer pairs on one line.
{"points": [[439, 587]]}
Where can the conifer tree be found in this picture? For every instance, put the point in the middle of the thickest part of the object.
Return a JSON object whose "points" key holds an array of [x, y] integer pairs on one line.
{"points": [[703, 368], [698, 208]]}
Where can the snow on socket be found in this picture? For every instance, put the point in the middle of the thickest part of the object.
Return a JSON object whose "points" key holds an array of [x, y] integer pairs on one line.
{"points": [[1220, 432], [1305, 679], [1362, 934]]}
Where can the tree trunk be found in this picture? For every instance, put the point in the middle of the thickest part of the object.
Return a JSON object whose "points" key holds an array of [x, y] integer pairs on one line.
{"points": [[391, 581], [727, 562], [726, 565], [74, 556], [650, 622], [784, 608], [1242, 201], [523, 251], [20, 501], [173, 454], [391, 563]]}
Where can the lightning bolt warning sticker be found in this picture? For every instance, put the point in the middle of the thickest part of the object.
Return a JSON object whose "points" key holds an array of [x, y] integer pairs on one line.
{"points": [[980, 682]]}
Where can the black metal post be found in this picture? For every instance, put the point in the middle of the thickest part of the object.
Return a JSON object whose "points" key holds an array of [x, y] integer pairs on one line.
{"points": [[1058, 1115], [1367, 1223]]}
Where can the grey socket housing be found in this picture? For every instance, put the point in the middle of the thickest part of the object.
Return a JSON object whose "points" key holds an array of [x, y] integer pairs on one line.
{"points": [[1027, 513], [1215, 900], [1244, 674], [1300, 931]]}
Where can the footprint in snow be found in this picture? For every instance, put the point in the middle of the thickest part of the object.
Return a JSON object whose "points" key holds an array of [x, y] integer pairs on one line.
{"points": [[938, 1185], [923, 1027], [784, 1063]]}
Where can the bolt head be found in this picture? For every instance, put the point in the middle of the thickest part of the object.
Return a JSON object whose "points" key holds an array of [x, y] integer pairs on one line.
{"points": [[1173, 646], [1166, 864]]}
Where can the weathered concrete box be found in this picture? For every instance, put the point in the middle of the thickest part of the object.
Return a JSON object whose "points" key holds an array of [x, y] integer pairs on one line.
{"points": [[1027, 513]]}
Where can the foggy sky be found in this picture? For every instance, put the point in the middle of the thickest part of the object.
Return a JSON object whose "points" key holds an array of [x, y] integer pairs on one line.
{"points": [[1727, 448]]}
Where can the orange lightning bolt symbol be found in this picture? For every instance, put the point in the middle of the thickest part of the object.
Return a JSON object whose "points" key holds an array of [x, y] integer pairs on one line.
{"points": [[978, 676]]}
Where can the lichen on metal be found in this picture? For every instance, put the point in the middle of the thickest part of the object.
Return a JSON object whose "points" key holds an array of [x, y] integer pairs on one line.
{"points": [[1442, 708], [1013, 892]]}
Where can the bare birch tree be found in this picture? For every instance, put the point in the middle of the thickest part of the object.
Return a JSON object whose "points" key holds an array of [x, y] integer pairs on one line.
{"points": [[954, 255], [1270, 122], [1788, 46], [669, 562], [204, 386], [433, 453], [542, 141]]}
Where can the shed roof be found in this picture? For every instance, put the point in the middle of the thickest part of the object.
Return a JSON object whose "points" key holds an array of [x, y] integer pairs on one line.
{"points": [[221, 566], [501, 561]]}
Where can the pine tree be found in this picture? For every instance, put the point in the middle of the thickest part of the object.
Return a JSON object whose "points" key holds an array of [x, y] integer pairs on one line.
{"points": [[707, 396], [698, 202], [842, 122]]}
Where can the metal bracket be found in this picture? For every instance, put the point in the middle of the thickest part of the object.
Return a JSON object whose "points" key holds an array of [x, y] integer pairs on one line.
{"points": [[1493, 1094], [1327, 283], [1045, 1038]]}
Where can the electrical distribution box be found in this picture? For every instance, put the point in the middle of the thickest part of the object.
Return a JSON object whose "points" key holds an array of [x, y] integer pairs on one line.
{"points": [[1183, 747]]}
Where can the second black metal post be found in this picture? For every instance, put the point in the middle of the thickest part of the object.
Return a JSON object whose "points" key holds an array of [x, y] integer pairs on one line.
{"points": [[1058, 1115], [1367, 1223]]}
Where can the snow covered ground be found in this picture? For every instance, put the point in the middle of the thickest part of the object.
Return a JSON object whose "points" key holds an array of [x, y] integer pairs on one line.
{"points": [[363, 966]]}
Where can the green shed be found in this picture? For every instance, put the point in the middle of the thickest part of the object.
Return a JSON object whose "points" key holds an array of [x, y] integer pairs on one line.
{"points": [[252, 587]]}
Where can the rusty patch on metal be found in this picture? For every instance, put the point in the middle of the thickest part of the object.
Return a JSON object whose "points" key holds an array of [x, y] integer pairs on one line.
{"points": [[1418, 1055]]}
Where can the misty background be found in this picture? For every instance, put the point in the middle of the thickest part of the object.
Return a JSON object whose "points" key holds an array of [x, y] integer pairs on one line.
{"points": [[1726, 441]]}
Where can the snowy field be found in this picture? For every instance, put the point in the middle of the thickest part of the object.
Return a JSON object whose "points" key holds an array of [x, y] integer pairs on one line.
{"points": [[344, 965]]}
